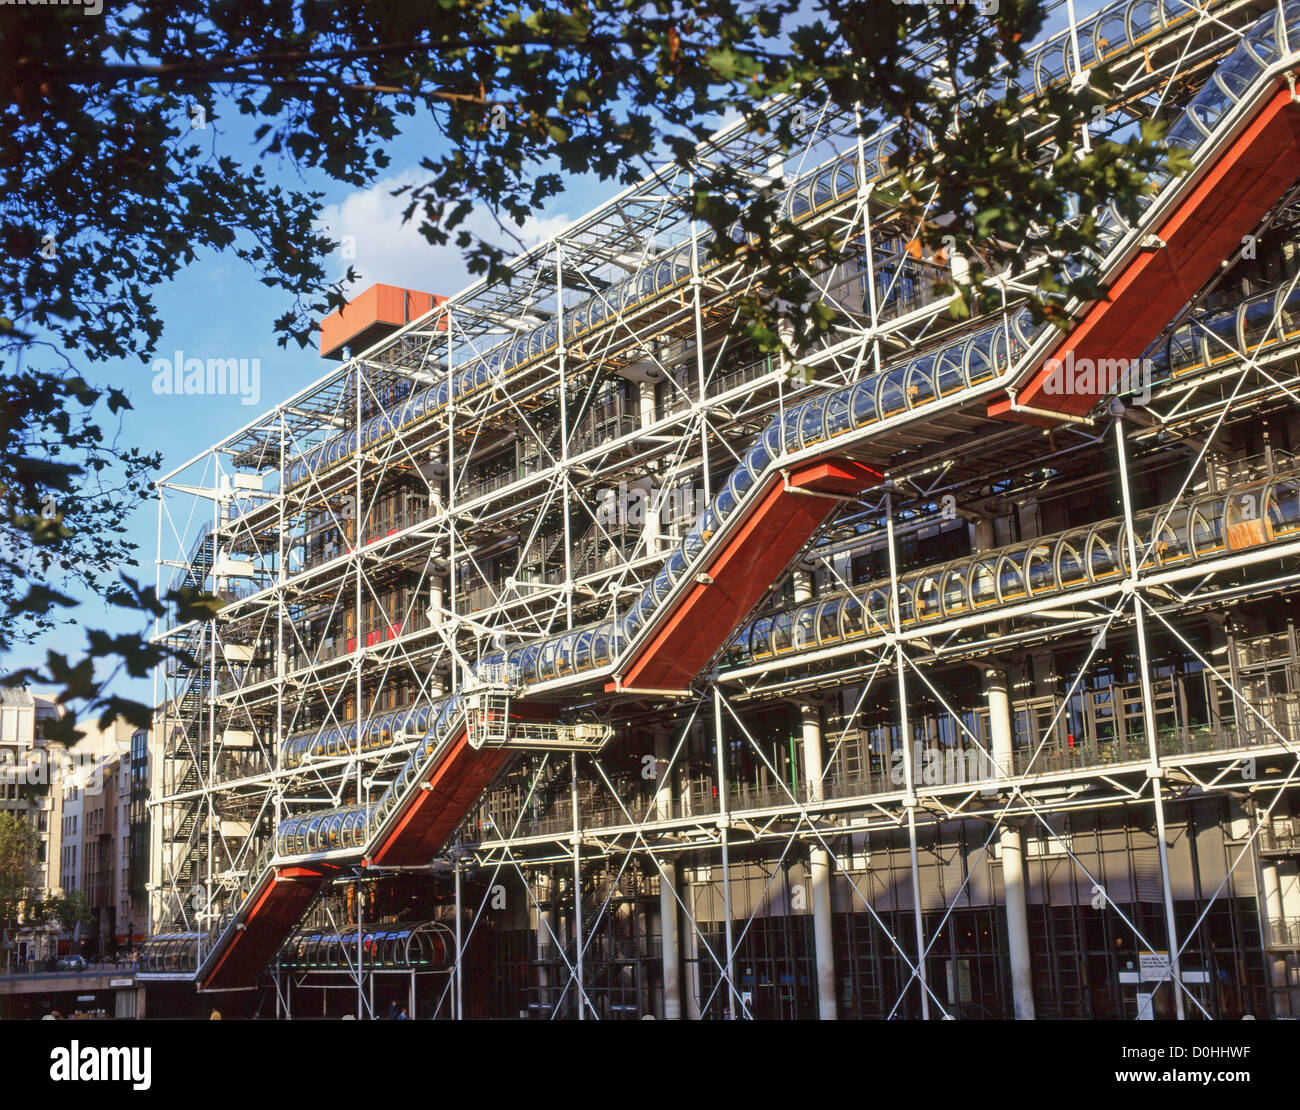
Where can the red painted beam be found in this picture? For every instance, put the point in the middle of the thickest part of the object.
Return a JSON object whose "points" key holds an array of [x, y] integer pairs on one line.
{"points": [[775, 530], [842, 477], [277, 908], [432, 814], [1235, 193]]}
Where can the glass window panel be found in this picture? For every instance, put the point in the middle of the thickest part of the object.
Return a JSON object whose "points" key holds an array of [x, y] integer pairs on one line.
{"points": [[1039, 569], [852, 618], [863, 404], [782, 626], [906, 604], [878, 615], [928, 601], [810, 425], [954, 592], [983, 583], [892, 397], [828, 621], [1011, 583], [805, 628], [1103, 556], [949, 375], [920, 381]]}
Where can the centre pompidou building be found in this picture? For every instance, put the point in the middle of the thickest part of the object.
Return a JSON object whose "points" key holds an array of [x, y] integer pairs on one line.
{"points": [[580, 659]]}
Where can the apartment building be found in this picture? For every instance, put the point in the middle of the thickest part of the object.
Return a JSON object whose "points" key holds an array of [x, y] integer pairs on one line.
{"points": [[28, 763]]}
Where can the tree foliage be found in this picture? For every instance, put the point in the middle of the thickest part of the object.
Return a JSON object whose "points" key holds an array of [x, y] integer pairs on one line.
{"points": [[19, 844], [117, 174], [67, 909]]}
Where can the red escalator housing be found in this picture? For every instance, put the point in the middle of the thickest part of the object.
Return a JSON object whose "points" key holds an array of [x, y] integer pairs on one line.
{"points": [[277, 906], [1235, 193], [780, 523], [428, 819], [433, 813]]}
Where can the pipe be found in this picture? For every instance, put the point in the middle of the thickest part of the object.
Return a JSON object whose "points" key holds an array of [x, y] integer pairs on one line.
{"points": [[723, 824], [577, 887], [1013, 860], [668, 923], [819, 867]]}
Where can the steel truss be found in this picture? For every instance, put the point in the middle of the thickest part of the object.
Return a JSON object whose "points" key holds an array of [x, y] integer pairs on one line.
{"points": [[372, 582]]}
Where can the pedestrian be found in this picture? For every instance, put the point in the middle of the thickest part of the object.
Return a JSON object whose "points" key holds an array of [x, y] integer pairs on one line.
{"points": [[402, 1016], [215, 1015]]}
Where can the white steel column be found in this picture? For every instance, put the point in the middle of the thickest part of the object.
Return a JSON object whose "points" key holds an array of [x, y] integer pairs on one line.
{"points": [[361, 955], [819, 859], [697, 313], [209, 779], [909, 771], [652, 505], [282, 619], [577, 889], [1154, 771], [723, 822], [545, 925], [668, 924], [819, 868], [562, 354], [356, 543], [1273, 911], [1013, 859], [688, 887], [458, 1004]]}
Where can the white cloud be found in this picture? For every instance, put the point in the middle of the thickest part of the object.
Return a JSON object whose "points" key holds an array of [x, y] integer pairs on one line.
{"points": [[395, 253]]}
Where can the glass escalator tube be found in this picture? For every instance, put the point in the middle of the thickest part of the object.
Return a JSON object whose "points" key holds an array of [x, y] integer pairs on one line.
{"points": [[805, 425]]}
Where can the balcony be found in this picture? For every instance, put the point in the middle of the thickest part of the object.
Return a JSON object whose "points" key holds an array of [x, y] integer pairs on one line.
{"points": [[1281, 838], [1284, 933], [687, 390]]}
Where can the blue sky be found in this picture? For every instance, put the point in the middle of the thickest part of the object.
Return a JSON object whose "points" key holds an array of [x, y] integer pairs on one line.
{"points": [[217, 308]]}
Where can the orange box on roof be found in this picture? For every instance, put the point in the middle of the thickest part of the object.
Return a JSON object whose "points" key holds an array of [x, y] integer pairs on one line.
{"points": [[373, 314]]}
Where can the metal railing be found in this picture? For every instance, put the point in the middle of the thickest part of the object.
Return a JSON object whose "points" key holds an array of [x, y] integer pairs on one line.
{"points": [[1284, 932], [376, 527], [883, 772], [1279, 839], [687, 391]]}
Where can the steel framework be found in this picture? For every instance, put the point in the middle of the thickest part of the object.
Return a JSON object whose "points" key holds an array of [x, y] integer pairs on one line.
{"points": [[915, 684]]}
